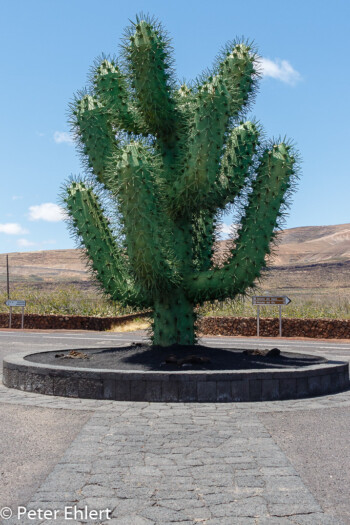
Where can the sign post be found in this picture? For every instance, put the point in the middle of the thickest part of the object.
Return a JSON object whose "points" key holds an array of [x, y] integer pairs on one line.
{"points": [[7, 277], [259, 300], [16, 303]]}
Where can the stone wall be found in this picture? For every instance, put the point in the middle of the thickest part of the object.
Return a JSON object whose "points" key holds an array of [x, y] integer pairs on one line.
{"points": [[245, 326], [66, 322]]}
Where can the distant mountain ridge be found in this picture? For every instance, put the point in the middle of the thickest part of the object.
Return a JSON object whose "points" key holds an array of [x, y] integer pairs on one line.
{"points": [[304, 246]]}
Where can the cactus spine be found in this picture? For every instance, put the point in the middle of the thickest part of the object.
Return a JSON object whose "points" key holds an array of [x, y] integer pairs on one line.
{"points": [[172, 158]]}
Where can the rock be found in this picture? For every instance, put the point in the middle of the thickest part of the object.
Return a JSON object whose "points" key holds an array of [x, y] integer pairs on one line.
{"points": [[196, 359], [254, 352], [274, 352], [187, 361], [171, 359], [74, 354]]}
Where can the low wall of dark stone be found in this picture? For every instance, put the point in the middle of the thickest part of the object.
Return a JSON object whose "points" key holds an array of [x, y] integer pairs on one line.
{"points": [[244, 326], [200, 386], [66, 322]]}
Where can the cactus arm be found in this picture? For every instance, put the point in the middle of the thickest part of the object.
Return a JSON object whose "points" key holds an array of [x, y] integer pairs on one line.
{"points": [[236, 78], [145, 224], [216, 103], [95, 135], [110, 86], [235, 164], [107, 259], [148, 56], [203, 237], [273, 180]]}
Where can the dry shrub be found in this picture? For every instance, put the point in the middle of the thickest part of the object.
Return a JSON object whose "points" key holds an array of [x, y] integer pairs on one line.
{"points": [[131, 326]]}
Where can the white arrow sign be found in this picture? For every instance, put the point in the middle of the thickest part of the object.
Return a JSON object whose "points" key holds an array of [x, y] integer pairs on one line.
{"points": [[270, 299], [11, 302], [260, 300]]}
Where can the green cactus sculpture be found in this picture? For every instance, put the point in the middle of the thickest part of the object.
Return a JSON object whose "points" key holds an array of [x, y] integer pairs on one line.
{"points": [[171, 159]]}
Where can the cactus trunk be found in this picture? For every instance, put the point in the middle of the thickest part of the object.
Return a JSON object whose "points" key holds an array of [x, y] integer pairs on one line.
{"points": [[171, 159], [173, 320]]}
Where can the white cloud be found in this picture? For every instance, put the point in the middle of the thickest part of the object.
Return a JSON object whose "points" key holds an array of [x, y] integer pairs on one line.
{"points": [[17, 197], [12, 228], [48, 211], [62, 137], [279, 69], [24, 243], [225, 228], [49, 242], [227, 231]]}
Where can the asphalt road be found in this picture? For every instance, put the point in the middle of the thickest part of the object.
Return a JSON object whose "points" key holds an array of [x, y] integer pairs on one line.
{"points": [[32, 440], [317, 444], [22, 341]]}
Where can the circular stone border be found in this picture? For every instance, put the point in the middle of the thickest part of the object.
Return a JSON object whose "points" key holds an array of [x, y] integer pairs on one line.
{"points": [[179, 386]]}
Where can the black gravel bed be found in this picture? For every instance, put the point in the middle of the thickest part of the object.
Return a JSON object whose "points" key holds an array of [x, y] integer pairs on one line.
{"points": [[199, 357]]}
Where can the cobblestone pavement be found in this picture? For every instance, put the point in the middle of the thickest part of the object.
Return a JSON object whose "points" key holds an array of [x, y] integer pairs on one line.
{"points": [[163, 463], [179, 464]]}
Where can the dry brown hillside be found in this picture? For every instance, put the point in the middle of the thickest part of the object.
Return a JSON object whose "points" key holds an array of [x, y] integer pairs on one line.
{"points": [[45, 266], [307, 258], [310, 245], [314, 244]]}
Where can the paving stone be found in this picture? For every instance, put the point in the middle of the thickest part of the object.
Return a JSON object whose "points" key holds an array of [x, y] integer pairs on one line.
{"points": [[288, 509], [122, 390], [240, 390], [163, 515], [224, 391], [315, 385], [131, 519], [129, 506], [253, 507], [315, 518], [154, 391], [250, 481], [276, 521], [228, 521], [59, 386], [92, 491], [188, 391], [270, 389], [138, 390], [302, 387], [206, 390], [109, 388], [170, 391]]}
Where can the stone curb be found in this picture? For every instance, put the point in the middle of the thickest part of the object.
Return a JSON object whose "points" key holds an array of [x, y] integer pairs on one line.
{"points": [[182, 386]]}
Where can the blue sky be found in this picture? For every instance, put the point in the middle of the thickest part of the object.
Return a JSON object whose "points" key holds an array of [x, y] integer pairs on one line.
{"points": [[47, 48]]}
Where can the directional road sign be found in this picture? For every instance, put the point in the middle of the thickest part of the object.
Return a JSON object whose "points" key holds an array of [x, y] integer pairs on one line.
{"points": [[11, 302], [270, 299]]}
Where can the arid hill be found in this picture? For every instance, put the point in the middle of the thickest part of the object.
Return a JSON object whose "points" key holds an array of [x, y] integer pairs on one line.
{"points": [[314, 245], [45, 266], [309, 245], [306, 258]]}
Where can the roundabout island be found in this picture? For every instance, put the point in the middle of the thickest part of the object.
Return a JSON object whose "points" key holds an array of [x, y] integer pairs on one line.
{"points": [[139, 372]]}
